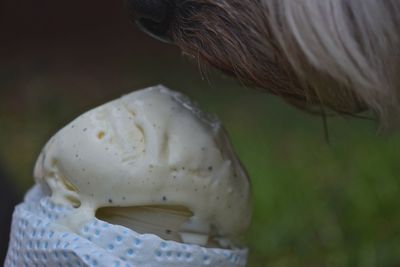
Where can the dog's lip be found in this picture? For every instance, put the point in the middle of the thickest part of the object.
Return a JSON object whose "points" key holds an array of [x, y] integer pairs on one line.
{"points": [[154, 29], [161, 28]]}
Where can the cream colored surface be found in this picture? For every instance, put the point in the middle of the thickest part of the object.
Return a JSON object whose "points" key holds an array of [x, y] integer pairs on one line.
{"points": [[151, 147]]}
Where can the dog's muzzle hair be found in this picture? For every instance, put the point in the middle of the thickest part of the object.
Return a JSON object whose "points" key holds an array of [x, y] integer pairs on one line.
{"points": [[320, 55]]}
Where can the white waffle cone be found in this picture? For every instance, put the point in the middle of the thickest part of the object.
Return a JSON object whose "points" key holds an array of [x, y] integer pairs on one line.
{"points": [[37, 239]]}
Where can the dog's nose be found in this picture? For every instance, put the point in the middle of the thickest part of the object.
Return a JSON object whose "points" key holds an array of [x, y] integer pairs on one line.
{"points": [[152, 16]]}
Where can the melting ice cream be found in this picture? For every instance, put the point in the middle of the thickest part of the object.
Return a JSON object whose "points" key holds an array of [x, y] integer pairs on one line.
{"points": [[151, 161]]}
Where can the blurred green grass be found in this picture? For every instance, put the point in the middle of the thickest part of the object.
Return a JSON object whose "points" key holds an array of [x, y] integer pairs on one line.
{"points": [[315, 204]]}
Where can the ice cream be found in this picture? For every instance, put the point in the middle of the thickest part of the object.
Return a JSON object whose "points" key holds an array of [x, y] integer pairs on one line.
{"points": [[151, 161]]}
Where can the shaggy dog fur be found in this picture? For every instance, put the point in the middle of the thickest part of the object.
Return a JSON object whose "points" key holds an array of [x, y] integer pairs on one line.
{"points": [[320, 55]]}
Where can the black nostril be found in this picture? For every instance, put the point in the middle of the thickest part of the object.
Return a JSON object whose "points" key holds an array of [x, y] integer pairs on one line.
{"points": [[155, 10], [153, 16]]}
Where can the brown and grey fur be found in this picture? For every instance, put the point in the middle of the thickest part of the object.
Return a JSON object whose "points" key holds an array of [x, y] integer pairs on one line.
{"points": [[340, 55]]}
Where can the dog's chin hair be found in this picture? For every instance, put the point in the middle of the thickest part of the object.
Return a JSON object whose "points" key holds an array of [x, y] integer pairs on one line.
{"points": [[342, 55]]}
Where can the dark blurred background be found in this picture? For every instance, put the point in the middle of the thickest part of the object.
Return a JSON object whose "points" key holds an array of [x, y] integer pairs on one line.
{"points": [[315, 204]]}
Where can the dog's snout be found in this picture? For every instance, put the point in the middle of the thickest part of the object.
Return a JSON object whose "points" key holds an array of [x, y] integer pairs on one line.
{"points": [[153, 16]]}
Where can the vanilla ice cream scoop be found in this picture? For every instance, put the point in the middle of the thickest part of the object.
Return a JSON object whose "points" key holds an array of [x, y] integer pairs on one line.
{"points": [[151, 161]]}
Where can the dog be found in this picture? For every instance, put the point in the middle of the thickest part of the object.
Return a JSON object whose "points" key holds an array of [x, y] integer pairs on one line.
{"points": [[323, 56]]}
